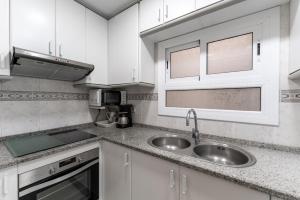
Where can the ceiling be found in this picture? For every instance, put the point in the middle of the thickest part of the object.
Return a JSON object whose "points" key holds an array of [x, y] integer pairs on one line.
{"points": [[107, 8]]}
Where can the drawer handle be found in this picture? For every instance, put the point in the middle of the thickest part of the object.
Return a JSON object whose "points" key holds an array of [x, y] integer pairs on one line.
{"points": [[172, 179], [5, 185], [126, 159], [184, 185]]}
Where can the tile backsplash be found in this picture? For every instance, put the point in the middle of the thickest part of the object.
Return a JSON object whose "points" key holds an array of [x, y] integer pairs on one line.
{"points": [[29, 104]]}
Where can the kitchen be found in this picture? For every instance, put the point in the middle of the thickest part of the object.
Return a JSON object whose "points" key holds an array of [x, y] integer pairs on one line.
{"points": [[150, 99]]}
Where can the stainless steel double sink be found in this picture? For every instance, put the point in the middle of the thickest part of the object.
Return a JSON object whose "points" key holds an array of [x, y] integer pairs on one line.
{"points": [[211, 151]]}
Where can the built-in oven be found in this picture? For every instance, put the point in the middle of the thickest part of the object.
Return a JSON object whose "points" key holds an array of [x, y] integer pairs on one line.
{"points": [[74, 178]]}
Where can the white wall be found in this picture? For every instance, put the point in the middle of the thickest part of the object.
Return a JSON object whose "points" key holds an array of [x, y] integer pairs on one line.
{"points": [[23, 116], [287, 133]]}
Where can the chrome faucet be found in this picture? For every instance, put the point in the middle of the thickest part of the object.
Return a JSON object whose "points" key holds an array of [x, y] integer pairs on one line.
{"points": [[195, 131]]}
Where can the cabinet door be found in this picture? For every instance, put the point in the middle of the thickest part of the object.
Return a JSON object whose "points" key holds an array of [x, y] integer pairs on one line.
{"points": [[33, 25], [177, 8], [96, 47], [123, 47], [151, 14], [195, 185], [116, 172], [70, 30], [4, 38], [294, 35], [204, 3], [153, 178], [9, 184]]}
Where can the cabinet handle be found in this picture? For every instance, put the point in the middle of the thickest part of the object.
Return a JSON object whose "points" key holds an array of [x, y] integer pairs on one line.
{"points": [[5, 185], [159, 12], [126, 159], [167, 11], [172, 179], [59, 49], [133, 74], [50, 48], [184, 184]]}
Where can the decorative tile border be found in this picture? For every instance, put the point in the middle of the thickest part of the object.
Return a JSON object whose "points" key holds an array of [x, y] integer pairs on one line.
{"points": [[287, 96], [143, 97], [290, 96], [40, 96]]}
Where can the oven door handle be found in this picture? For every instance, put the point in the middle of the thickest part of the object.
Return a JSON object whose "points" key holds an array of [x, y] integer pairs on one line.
{"points": [[57, 180]]}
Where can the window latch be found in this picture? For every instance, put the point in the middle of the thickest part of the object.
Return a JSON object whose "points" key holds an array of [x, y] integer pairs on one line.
{"points": [[258, 49]]}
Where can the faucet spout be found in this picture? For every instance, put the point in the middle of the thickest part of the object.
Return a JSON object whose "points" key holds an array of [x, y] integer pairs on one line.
{"points": [[195, 131]]}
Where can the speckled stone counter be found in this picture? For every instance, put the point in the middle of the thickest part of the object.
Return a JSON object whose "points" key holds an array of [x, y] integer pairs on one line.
{"points": [[275, 173]]}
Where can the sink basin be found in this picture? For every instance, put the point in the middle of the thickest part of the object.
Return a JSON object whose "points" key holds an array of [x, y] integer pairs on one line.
{"points": [[224, 154], [169, 142]]}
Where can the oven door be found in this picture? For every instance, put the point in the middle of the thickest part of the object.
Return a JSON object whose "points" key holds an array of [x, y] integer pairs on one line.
{"points": [[80, 183]]}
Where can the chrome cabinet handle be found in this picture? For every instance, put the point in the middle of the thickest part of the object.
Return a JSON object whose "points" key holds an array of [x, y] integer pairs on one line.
{"points": [[184, 184], [159, 15], [133, 74], [172, 179], [0, 60], [5, 185], [126, 159], [59, 49], [167, 11], [50, 48]]}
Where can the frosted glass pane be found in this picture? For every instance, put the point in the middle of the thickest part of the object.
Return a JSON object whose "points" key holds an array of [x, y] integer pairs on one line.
{"points": [[244, 99], [230, 55], [185, 63]]}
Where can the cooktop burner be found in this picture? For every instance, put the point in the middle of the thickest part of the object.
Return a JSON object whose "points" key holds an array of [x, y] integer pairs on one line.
{"points": [[24, 145]]}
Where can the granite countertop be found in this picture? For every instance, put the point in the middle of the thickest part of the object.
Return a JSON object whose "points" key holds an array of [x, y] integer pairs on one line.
{"points": [[274, 173]]}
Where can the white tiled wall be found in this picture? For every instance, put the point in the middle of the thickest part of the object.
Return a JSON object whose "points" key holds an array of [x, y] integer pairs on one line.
{"points": [[287, 133], [18, 117]]}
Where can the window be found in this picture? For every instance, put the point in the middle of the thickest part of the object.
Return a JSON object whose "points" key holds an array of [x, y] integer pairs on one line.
{"points": [[227, 72], [243, 99], [230, 55]]}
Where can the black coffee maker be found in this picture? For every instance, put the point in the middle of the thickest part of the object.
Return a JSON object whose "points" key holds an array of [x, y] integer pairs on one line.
{"points": [[125, 116]]}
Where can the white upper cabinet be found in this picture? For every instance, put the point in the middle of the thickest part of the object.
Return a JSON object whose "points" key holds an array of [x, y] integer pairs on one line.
{"points": [[9, 183], [151, 14], [33, 25], [295, 38], [70, 30], [96, 48], [204, 3], [123, 47], [156, 12], [177, 8], [4, 39]]}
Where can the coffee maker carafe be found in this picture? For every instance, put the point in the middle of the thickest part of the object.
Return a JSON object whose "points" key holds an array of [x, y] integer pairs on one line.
{"points": [[125, 116]]}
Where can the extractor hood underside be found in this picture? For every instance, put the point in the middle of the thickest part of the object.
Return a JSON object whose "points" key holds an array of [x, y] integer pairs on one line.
{"points": [[32, 64]]}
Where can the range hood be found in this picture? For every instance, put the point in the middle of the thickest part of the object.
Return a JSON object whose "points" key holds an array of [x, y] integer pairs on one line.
{"points": [[37, 65]]}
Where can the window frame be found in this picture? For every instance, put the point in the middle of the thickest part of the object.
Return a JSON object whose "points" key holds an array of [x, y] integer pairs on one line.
{"points": [[265, 74]]}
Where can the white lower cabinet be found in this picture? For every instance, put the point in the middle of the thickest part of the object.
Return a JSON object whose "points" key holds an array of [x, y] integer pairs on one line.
{"points": [[116, 165], [9, 184], [153, 178], [275, 198], [156, 179], [195, 185]]}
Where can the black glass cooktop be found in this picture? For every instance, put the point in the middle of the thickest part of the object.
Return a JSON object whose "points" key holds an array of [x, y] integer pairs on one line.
{"points": [[20, 146]]}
